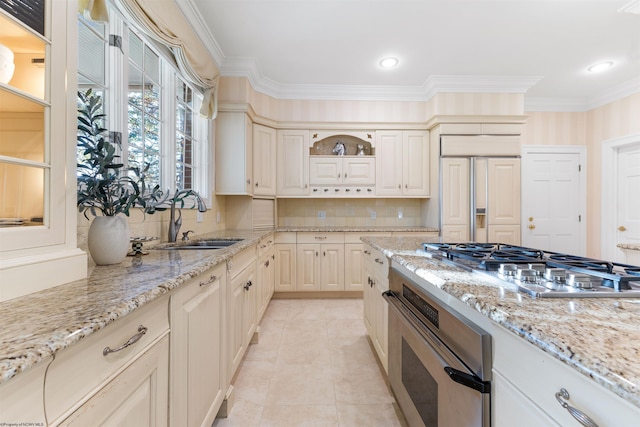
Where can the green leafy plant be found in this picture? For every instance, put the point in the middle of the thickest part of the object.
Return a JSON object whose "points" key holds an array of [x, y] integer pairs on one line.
{"points": [[104, 184]]}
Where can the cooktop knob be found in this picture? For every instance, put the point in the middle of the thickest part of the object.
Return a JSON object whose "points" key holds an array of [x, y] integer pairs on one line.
{"points": [[508, 270], [527, 275]]}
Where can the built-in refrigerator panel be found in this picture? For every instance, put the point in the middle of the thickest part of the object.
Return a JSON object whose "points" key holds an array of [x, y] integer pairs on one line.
{"points": [[480, 199]]}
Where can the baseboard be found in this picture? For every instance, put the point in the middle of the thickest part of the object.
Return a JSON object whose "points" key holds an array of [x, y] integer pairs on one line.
{"points": [[318, 295]]}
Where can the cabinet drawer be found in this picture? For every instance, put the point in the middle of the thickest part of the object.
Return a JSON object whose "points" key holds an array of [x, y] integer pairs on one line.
{"points": [[379, 261], [265, 245], [540, 376], [79, 371], [329, 237], [240, 261]]}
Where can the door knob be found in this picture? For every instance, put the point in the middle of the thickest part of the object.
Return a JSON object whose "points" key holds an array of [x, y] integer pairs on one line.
{"points": [[622, 228], [531, 226]]}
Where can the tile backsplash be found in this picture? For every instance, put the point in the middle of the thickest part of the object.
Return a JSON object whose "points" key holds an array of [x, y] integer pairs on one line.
{"points": [[349, 212]]}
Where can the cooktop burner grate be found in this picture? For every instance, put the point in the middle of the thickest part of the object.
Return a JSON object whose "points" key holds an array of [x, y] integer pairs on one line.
{"points": [[490, 256]]}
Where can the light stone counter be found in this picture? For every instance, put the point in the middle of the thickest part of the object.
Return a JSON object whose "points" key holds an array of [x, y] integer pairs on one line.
{"points": [[599, 337], [36, 326]]}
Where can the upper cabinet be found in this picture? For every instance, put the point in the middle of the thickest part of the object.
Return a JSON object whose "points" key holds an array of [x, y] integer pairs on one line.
{"points": [[402, 163], [292, 177], [234, 153], [264, 161], [37, 162]]}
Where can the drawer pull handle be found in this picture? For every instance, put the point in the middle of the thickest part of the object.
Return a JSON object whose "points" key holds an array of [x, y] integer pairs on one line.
{"points": [[210, 281], [367, 252], [321, 237], [580, 416], [248, 285], [378, 261], [134, 339]]}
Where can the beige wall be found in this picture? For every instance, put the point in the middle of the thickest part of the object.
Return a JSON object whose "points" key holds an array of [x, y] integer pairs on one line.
{"points": [[590, 129]]}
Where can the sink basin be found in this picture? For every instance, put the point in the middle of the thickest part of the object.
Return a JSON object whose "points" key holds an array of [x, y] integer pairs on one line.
{"points": [[215, 243], [205, 244]]}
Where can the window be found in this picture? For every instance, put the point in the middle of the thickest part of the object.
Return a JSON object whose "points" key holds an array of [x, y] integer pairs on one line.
{"points": [[116, 61], [144, 94]]}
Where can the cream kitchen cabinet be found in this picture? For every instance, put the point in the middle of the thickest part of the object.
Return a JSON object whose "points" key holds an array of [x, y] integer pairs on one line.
{"points": [[240, 308], [285, 262], [197, 383], [402, 163], [353, 267], [21, 398], [265, 274], [118, 375], [350, 170], [320, 266], [292, 174], [136, 397], [376, 311], [234, 153], [518, 392], [264, 160]]}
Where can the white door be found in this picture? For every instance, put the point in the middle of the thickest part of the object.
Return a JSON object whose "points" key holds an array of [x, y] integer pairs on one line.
{"points": [[628, 198], [552, 201]]}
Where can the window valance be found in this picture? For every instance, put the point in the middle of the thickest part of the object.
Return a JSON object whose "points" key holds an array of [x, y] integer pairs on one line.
{"points": [[164, 21]]}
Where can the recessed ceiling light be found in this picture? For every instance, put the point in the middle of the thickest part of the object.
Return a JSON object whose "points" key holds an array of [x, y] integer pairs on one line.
{"points": [[596, 68], [389, 62]]}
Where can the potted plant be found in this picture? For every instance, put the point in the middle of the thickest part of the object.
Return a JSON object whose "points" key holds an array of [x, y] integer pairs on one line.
{"points": [[107, 189]]}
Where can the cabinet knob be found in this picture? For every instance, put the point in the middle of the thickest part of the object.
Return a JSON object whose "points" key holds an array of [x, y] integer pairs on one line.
{"points": [[399, 187], [249, 181], [622, 228], [358, 190], [530, 218], [336, 190], [347, 190], [531, 226], [257, 184], [315, 190]]}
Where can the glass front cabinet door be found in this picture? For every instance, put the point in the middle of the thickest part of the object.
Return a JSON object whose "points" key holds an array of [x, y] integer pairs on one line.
{"points": [[37, 146]]}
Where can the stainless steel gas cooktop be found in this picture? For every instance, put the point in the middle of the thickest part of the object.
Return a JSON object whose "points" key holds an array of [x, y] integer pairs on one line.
{"points": [[543, 274]]}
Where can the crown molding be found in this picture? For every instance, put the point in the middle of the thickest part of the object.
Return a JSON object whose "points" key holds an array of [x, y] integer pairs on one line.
{"points": [[612, 94], [194, 18], [479, 84]]}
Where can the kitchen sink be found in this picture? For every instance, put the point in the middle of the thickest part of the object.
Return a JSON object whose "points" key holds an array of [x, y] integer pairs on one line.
{"points": [[205, 244]]}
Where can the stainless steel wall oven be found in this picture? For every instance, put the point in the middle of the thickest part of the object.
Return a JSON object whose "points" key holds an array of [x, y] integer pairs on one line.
{"points": [[439, 362]]}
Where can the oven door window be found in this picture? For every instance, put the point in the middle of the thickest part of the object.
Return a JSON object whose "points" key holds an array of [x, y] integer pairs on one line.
{"points": [[420, 385]]}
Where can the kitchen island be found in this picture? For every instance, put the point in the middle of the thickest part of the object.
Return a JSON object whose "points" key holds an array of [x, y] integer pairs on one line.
{"points": [[597, 338]]}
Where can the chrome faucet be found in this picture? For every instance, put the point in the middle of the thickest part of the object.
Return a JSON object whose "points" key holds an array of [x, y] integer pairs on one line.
{"points": [[175, 223]]}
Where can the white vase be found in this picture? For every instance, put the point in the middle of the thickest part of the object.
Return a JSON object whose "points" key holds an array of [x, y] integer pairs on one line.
{"points": [[108, 239]]}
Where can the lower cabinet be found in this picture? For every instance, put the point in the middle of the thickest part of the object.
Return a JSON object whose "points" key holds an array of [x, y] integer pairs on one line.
{"points": [[376, 310], [116, 376], [353, 267], [241, 307], [320, 267], [136, 397], [197, 337], [266, 275]]}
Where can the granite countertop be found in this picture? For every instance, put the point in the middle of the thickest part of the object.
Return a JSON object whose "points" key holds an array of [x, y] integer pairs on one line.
{"points": [[599, 337], [358, 228], [36, 326]]}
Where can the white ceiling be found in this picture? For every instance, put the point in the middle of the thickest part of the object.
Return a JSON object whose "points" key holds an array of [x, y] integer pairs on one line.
{"points": [[330, 49]]}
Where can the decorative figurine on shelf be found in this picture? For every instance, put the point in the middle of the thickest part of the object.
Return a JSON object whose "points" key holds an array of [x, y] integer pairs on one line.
{"points": [[360, 150], [339, 149]]}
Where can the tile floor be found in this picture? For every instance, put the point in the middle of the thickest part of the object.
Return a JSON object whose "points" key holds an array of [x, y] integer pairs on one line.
{"points": [[313, 366]]}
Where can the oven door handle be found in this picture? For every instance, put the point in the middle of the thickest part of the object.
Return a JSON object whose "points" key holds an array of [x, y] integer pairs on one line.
{"points": [[468, 380]]}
